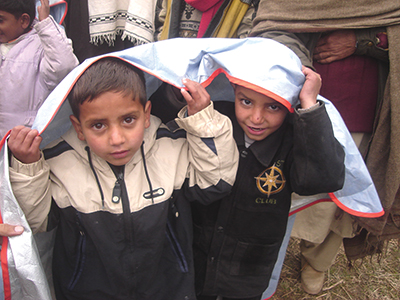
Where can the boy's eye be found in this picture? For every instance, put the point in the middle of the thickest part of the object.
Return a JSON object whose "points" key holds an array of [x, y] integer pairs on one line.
{"points": [[129, 120], [245, 101], [98, 126], [274, 107]]}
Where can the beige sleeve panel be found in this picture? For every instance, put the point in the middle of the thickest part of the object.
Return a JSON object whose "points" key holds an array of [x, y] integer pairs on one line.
{"points": [[213, 154], [31, 187]]}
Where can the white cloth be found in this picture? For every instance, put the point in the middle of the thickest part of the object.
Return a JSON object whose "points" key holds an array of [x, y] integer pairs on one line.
{"points": [[131, 19]]}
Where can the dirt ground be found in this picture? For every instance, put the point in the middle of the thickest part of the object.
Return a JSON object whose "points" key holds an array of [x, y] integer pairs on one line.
{"points": [[369, 279]]}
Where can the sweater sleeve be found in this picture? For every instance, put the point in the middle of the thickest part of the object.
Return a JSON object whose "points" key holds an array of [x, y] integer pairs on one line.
{"points": [[31, 186], [318, 158], [213, 155], [58, 56], [371, 42]]}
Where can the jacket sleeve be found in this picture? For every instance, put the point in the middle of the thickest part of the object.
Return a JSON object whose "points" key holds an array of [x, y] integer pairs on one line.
{"points": [[299, 43], [213, 155], [318, 158], [31, 187], [58, 56], [368, 43]]}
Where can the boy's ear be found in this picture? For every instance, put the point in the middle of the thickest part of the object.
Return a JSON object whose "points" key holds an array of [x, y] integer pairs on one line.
{"points": [[77, 126], [25, 21], [147, 111]]}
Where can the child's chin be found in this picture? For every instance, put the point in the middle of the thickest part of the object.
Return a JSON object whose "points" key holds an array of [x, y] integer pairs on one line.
{"points": [[257, 137], [119, 162]]}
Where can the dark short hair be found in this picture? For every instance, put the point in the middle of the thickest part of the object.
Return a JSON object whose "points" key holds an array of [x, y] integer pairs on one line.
{"points": [[108, 74], [19, 7]]}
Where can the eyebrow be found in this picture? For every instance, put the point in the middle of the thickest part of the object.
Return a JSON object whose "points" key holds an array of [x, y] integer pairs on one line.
{"points": [[241, 94], [129, 114], [270, 101], [94, 121]]}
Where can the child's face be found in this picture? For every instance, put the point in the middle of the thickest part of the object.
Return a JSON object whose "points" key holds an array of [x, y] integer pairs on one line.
{"points": [[10, 27], [258, 115], [113, 126]]}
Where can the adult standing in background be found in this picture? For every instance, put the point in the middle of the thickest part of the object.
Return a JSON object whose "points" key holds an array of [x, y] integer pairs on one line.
{"points": [[98, 27], [201, 19]]}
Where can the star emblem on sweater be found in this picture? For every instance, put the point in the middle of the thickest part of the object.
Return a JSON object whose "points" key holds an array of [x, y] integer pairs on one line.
{"points": [[270, 181]]}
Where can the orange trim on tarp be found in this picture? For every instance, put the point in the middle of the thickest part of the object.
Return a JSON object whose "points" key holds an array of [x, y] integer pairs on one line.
{"points": [[66, 9], [205, 83], [354, 212], [3, 140], [310, 204], [334, 199], [4, 265], [251, 86]]}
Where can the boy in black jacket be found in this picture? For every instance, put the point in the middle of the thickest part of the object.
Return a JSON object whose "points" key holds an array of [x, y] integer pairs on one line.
{"points": [[237, 239]]}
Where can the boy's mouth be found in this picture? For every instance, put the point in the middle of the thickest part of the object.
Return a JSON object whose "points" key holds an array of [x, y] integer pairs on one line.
{"points": [[119, 154], [256, 130]]}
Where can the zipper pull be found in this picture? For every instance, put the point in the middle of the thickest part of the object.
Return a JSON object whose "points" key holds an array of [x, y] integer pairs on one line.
{"points": [[116, 195]]}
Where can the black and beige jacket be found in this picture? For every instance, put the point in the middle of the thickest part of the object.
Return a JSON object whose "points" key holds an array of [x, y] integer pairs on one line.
{"points": [[120, 233]]}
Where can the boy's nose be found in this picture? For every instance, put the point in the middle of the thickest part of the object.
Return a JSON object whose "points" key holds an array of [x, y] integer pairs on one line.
{"points": [[116, 136], [256, 116]]}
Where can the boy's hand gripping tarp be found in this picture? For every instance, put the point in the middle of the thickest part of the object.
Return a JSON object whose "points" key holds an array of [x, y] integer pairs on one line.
{"points": [[260, 64]]}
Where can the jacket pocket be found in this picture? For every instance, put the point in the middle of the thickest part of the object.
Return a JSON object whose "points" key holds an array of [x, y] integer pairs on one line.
{"points": [[254, 259], [80, 260], [176, 248]]}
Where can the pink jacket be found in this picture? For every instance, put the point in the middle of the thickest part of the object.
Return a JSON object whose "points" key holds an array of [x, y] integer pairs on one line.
{"points": [[31, 70]]}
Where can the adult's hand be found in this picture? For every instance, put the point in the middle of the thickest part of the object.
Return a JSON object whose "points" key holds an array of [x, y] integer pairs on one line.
{"points": [[334, 46]]}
